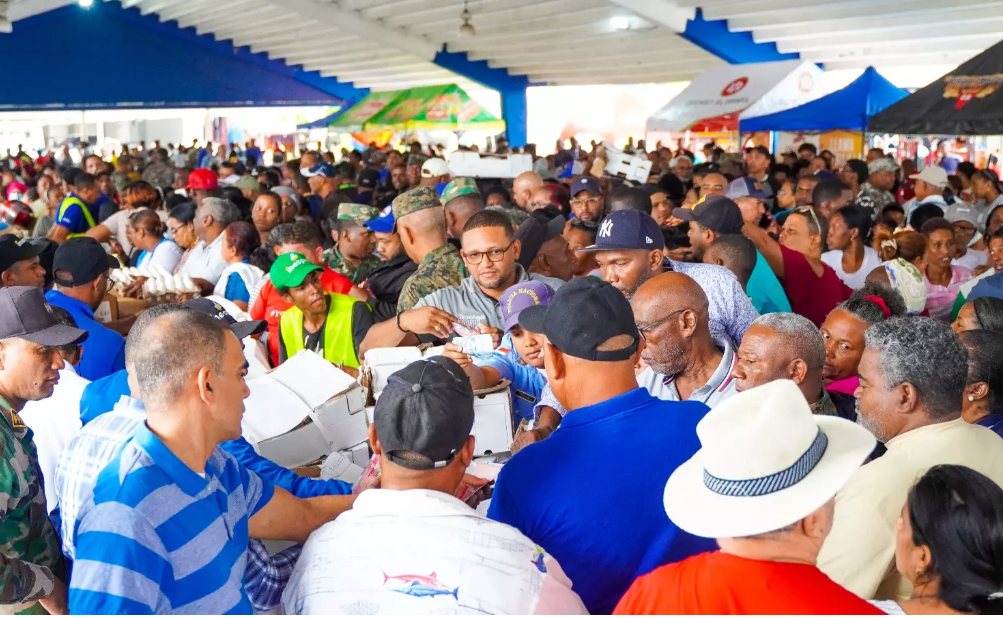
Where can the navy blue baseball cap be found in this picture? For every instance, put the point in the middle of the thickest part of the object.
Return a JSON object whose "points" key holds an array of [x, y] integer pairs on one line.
{"points": [[627, 229], [384, 223], [585, 183], [324, 170]]}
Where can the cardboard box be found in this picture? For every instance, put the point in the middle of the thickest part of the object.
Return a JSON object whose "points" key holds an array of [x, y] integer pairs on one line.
{"points": [[304, 410], [476, 165], [108, 309]]}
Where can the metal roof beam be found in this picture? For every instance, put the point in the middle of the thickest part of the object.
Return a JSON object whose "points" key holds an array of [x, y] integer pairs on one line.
{"points": [[662, 42], [862, 9], [626, 61], [349, 21], [666, 13], [961, 40], [565, 11]]}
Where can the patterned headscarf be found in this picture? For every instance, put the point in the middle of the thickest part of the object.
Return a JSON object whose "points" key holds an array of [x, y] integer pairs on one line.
{"points": [[907, 281]]}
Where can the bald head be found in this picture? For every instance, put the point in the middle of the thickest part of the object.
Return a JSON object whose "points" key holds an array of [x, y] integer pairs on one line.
{"points": [[713, 184], [524, 186], [671, 310]]}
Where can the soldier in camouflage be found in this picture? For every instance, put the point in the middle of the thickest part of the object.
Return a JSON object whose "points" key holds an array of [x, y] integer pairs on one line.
{"points": [[462, 199], [31, 564], [875, 194], [414, 163], [352, 254], [421, 223], [160, 171]]}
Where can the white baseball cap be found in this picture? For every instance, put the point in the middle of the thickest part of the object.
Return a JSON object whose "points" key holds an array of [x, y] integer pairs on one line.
{"points": [[433, 168]]}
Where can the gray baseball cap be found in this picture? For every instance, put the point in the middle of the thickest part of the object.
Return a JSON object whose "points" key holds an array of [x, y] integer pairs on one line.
{"points": [[25, 314]]}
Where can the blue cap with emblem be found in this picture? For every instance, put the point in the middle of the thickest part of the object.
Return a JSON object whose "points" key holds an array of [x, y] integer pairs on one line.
{"points": [[627, 229], [384, 223]]}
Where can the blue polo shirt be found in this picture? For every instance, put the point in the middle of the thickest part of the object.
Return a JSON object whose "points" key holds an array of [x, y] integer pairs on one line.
{"points": [[73, 218], [158, 537], [527, 382], [100, 396], [601, 517], [764, 289], [104, 349]]}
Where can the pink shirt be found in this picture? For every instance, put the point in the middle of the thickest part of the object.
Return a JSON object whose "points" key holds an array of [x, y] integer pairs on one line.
{"points": [[940, 298]]}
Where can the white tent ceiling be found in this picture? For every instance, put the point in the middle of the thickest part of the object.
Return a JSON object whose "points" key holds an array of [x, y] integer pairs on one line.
{"points": [[389, 44]]}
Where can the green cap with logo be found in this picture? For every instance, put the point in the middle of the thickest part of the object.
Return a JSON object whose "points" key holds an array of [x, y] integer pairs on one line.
{"points": [[359, 213], [458, 187], [415, 200], [418, 160], [290, 269], [248, 182]]}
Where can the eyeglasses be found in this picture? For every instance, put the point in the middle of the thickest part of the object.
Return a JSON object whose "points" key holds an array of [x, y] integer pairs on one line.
{"points": [[590, 201], [642, 329], [494, 255], [808, 209]]}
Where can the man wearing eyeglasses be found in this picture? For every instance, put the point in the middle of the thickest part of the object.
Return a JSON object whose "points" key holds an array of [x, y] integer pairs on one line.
{"points": [[489, 251], [685, 363], [587, 199]]}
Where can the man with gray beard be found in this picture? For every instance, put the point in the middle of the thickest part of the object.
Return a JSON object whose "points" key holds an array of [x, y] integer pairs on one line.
{"points": [[685, 363]]}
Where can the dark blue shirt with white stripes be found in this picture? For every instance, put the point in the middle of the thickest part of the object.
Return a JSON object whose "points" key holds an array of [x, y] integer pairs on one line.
{"points": [[158, 537]]}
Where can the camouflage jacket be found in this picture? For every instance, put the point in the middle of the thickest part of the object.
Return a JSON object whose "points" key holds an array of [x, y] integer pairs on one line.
{"points": [[873, 198], [159, 174], [30, 558], [337, 263], [442, 268]]}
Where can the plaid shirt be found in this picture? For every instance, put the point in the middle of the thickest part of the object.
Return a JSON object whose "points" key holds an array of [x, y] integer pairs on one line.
{"points": [[95, 446]]}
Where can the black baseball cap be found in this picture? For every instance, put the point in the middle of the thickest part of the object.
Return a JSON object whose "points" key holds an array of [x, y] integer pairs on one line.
{"points": [[585, 313], [627, 229], [714, 212], [216, 311], [14, 250], [368, 178], [534, 231], [79, 261], [25, 314], [426, 408]]}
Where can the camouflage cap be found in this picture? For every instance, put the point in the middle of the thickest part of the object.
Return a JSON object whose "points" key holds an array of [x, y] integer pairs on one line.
{"points": [[359, 213], [458, 187], [730, 157], [415, 200], [418, 160], [884, 164]]}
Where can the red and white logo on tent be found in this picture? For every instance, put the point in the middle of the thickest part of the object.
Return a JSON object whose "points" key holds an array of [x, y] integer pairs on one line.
{"points": [[735, 87]]}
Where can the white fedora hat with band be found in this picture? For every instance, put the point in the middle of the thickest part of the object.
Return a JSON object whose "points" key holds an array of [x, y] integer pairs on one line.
{"points": [[765, 462]]}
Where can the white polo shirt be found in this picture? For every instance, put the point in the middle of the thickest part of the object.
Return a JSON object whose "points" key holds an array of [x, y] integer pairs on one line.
{"points": [[720, 386], [205, 261]]}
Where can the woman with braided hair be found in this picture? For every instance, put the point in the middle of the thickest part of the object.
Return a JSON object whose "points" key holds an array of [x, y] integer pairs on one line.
{"points": [[843, 331]]}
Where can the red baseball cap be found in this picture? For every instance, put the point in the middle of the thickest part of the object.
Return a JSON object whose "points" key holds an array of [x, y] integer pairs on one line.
{"points": [[203, 179]]}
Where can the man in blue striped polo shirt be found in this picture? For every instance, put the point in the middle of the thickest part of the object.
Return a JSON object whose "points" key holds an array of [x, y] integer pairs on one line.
{"points": [[167, 527]]}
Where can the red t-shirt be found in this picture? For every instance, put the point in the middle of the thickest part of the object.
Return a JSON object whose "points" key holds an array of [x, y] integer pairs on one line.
{"points": [[810, 295], [720, 583], [270, 306]]}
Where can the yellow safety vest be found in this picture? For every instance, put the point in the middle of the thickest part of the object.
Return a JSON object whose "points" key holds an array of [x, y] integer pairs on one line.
{"points": [[70, 201], [338, 346]]}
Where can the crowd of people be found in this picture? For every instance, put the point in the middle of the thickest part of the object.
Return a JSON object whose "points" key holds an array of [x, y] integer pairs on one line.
{"points": [[755, 384]]}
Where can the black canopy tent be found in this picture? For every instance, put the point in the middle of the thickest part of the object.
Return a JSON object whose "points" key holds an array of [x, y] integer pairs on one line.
{"points": [[966, 101]]}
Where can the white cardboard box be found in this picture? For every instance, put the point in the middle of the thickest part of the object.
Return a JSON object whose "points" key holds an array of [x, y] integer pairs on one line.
{"points": [[468, 163]]}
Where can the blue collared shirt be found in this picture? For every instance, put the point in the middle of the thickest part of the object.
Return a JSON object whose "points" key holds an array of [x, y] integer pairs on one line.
{"points": [[94, 447], [604, 524], [104, 349], [159, 537]]}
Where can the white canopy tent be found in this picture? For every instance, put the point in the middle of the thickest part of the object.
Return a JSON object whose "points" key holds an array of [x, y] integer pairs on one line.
{"points": [[719, 96]]}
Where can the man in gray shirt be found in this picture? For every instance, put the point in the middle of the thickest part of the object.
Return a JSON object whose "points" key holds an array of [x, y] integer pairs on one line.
{"points": [[489, 251]]}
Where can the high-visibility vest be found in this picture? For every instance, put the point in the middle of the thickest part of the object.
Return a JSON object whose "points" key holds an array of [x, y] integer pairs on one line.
{"points": [[70, 201], [338, 346]]}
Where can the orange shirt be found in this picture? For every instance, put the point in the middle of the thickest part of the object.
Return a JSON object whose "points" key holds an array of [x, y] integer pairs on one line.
{"points": [[269, 306], [720, 583]]}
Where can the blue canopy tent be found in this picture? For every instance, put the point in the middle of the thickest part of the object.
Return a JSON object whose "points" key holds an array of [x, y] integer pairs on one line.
{"points": [[848, 109], [109, 57]]}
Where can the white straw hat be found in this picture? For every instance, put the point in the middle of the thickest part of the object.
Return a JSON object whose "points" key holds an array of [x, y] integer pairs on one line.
{"points": [[765, 462]]}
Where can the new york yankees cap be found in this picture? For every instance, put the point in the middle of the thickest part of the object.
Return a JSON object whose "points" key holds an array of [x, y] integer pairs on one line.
{"points": [[627, 229]]}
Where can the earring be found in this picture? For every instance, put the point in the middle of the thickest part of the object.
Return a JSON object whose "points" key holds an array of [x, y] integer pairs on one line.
{"points": [[971, 398]]}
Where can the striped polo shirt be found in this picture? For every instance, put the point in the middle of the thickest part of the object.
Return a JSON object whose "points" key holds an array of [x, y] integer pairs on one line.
{"points": [[158, 537]]}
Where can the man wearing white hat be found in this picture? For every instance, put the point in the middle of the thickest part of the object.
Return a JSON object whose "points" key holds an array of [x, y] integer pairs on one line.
{"points": [[434, 172], [929, 189], [763, 484]]}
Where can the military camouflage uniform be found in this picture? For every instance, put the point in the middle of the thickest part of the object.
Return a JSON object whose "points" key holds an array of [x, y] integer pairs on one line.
{"points": [[30, 558], [159, 174], [873, 198], [360, 214], [440, 268]]}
